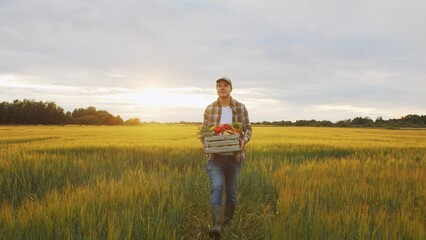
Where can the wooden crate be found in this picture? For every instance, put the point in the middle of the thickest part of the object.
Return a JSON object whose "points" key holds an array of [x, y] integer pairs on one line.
{"points": [[222, 143]]}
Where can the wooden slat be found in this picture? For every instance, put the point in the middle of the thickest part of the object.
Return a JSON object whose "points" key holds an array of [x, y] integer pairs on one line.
{"points": [[222, 149], [221, 137], [222, 143]]}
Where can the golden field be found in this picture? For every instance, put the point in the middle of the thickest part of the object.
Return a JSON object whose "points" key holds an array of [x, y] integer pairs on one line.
{"points": [[150, 182]]}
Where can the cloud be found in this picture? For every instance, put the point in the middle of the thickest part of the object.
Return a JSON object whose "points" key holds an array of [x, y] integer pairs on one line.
{"points": [[348, 108], [283, 56]]}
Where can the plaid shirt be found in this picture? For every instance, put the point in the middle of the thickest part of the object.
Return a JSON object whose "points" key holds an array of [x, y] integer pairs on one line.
{"points": [[212, 116]]}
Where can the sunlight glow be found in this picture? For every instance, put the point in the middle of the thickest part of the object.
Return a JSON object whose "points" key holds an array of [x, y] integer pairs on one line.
{"points": [[168, 97]]}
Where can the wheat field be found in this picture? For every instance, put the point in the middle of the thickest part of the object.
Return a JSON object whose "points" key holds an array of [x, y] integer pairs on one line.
{"points": [[150, 182]]}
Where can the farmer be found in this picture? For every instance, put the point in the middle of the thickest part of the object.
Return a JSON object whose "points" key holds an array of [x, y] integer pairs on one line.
{"points": [[224, 169]]}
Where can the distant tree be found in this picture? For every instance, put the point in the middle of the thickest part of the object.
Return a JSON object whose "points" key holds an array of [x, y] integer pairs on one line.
{"points": [[313, 123], [282, 123], [379, 121], [29, 111], [91, 116], [343, 123], [4, 106], [15, 112], [413, 120], [105, 117], [54, 114], [119, 120], [326, 123], [132, 121], [80, 112], [88, 120], [68, 118], [360, 121], [266, 123]]}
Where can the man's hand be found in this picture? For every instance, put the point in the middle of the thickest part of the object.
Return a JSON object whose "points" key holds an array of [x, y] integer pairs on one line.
{"points": [[242, 144]]}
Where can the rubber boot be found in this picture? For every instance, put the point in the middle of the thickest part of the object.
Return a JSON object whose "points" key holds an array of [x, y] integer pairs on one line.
{"points": [[229, 214], [216, 230]]}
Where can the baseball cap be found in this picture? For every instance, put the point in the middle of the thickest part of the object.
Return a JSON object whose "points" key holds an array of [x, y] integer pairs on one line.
{"points": [[225, 79]]}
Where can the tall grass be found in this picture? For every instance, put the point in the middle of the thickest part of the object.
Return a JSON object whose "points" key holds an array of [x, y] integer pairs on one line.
{"points": [[150, 182]]}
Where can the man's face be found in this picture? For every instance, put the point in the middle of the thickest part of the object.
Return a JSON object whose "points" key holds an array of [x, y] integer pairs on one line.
{"points": [[223, 89]]}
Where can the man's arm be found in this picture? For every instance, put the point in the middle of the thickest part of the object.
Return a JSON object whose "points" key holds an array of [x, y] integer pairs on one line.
{"points": [[205, 120], [246, 127]]}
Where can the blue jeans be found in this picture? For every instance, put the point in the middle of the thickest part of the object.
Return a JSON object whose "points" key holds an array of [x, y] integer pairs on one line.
{"points": [[223, 172]]}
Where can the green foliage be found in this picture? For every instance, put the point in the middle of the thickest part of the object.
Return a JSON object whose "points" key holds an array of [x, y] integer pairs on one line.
{"points": [[409, 121], [91, 116], [31, 112], [133, 121]]}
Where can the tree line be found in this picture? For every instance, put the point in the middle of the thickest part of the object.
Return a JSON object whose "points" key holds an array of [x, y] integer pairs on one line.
{"points": [[408, 121], [31, 112]]}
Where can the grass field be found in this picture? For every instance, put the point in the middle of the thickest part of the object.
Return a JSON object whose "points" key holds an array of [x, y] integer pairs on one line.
{"points": [[150, 182]]}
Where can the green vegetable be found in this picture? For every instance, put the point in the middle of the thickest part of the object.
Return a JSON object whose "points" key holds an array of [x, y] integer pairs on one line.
{"points": [[205, 131], [238, 126]]}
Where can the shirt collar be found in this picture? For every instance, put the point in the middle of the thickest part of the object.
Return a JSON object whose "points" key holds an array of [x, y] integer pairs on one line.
{"points": [[231, 103]]}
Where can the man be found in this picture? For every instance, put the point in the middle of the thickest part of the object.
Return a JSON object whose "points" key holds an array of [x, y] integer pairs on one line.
{"points": [[224, 169]]}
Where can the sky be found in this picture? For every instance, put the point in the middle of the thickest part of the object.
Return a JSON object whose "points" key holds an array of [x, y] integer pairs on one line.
{"points": [[159, 60]]}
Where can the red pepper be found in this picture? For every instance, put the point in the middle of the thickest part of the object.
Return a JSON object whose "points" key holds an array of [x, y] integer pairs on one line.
{"points": [[217, 129]]}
